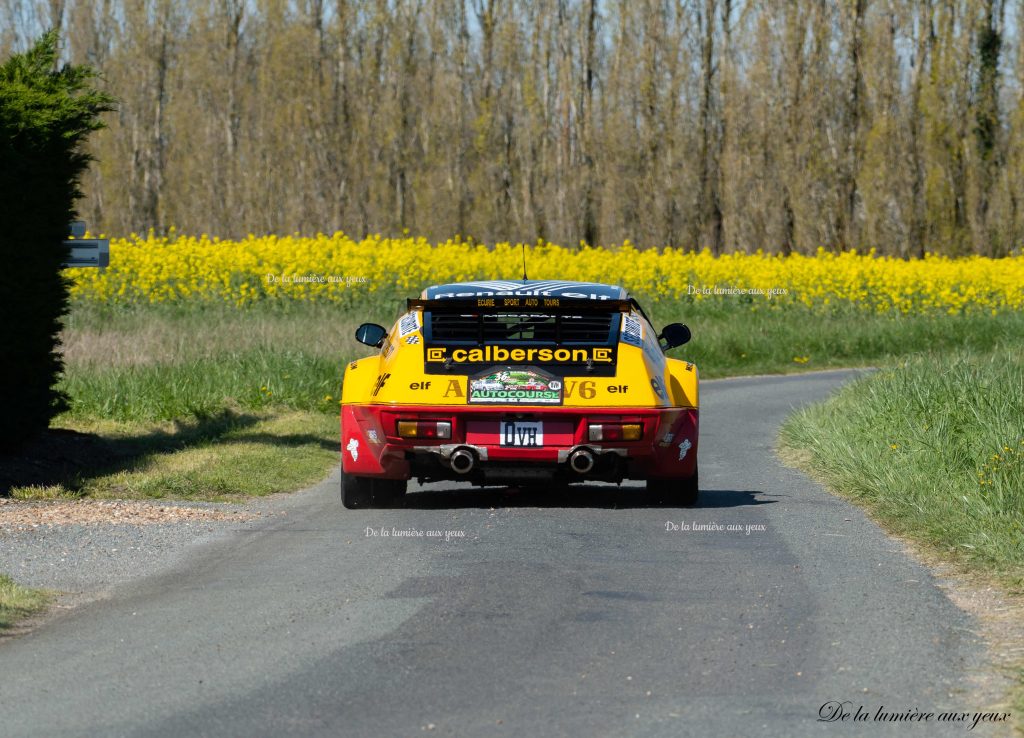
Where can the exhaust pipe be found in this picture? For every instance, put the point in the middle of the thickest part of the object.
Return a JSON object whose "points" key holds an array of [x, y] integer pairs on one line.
{"points": [[581, 460], [462, 460]]}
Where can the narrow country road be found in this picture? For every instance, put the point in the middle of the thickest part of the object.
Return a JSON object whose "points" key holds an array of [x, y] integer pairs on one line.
{"points": [[575, 615]]}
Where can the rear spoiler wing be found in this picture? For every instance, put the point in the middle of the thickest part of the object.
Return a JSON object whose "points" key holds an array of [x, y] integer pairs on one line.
{"points": [[516, 304]]}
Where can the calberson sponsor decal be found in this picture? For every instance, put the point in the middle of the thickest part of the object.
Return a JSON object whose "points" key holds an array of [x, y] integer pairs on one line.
{"points": [[595, 355], [512, 386]]}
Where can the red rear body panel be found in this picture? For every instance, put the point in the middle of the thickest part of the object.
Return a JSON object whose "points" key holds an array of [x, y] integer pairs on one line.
{"points": [[510, 436]]}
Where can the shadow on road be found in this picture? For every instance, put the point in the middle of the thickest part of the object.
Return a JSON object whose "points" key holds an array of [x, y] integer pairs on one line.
{"points": [[593, 496]]}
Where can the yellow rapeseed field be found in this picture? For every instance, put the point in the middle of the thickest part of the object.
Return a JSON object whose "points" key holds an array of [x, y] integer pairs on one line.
{"points": [[338, 268]]}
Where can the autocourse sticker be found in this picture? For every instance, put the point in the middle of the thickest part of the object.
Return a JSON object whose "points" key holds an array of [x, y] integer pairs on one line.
{"points": [[515, 387]]}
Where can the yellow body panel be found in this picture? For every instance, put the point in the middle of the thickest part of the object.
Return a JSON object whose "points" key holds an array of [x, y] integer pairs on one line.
{"points": [[682, 383], [359, 379], [396, 376]]}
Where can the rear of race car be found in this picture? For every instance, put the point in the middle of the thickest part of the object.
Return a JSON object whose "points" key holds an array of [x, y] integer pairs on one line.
{"points": [[528, 384]]}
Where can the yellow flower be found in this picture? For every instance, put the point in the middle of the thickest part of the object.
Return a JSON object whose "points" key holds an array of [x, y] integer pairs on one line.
{"points": [[336, 268]]}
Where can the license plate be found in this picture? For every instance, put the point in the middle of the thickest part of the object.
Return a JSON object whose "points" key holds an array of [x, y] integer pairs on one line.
{"points": [[528, 434]]}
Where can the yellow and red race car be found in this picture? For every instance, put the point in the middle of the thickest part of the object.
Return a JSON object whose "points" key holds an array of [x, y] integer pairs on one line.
{"points": [[519, 382]]}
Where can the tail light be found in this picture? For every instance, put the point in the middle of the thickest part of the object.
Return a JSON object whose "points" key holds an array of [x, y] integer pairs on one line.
{"points": [[424, 429], [615, 431]]}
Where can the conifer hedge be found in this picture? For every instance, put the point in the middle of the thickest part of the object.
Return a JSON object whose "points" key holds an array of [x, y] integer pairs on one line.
{"points": [[46, 113]]}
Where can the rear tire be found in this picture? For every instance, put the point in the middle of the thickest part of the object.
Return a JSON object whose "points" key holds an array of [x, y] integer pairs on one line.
{"points": [[682, 492], [356, 492], [387, 492], [363, 492]]}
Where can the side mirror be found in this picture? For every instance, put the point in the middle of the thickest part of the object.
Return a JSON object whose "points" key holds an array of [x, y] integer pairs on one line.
{"points": [[674, 334], [371, 334]]}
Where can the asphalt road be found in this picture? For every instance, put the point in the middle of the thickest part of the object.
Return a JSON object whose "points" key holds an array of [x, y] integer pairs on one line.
{"points": [[576, 615]]}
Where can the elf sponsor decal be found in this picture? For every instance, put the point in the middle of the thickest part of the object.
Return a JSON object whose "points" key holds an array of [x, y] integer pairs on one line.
{"points": [[597, 355], [511, 386], [379, 384]]}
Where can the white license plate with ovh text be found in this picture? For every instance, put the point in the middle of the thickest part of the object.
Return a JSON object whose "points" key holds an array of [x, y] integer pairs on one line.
{"points": [[522, 433]]}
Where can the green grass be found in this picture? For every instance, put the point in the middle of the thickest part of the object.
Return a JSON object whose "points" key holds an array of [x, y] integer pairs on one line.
{"points": [[218, 457], [159, 363], [732, 342], [934, 446], [17, 602], [247, 455], [253, 380]]}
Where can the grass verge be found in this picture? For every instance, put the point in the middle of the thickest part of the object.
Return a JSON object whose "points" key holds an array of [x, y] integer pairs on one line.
{"points": [[17, 602], [216, 457], [934, 448]]}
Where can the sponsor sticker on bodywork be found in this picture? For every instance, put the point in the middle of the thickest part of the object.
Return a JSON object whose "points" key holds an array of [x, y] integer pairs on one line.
{"points": [[632, 331], [490, 354], [515, 386], [408, 324]]}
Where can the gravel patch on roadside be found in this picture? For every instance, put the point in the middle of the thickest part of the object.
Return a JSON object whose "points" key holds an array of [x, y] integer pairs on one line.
{"points": [[83, 548], [24, 514]]}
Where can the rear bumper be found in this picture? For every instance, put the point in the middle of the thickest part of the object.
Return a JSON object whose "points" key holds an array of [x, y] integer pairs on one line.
{"points": [[371, 447]]}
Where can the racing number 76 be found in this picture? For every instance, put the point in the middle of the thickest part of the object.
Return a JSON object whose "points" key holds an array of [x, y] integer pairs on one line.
{"points": [[586, 388]]}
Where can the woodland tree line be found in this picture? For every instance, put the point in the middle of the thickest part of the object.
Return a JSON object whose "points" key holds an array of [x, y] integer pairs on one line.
{"points": [[778, 124]]}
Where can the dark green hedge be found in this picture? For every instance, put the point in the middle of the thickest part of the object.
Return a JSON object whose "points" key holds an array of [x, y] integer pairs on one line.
{"points": [[46, 113]]}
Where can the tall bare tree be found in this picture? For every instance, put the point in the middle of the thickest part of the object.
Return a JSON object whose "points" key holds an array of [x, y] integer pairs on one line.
{"points": [[784, 125]]}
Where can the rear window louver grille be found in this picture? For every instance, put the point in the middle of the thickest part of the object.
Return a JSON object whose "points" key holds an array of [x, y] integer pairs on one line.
{"points": [[505, 328]]}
